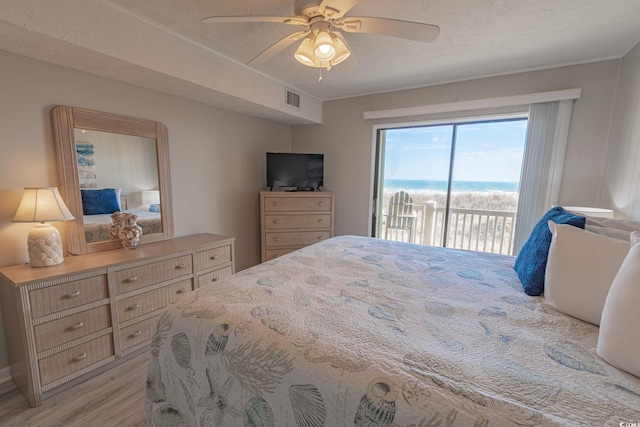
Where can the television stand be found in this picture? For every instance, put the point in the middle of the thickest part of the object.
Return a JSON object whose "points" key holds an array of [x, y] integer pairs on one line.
{"points": [[292, 220], [284, 189]]}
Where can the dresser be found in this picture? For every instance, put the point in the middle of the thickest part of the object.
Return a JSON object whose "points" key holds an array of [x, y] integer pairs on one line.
{"points": [[66, 322], [293, 220]]}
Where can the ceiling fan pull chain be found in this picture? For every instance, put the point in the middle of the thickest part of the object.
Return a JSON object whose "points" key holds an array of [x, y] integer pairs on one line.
{"points": [[320, 78]]}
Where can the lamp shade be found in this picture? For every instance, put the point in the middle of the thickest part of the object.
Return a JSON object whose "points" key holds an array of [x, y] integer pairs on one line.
{"points": [[41, 204], [342, 49], [589, 211], [150, 197], [304, 54]]}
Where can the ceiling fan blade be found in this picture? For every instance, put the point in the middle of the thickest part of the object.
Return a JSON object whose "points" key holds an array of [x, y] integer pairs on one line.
{"points": [[390, 27], [275, 19], [334, 9], [275, 48]]}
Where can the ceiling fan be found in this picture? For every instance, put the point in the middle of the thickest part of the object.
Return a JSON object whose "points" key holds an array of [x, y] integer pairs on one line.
{"points": [[322, 45]]}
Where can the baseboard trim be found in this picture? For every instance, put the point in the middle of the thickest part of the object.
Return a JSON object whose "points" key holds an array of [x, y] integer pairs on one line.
{"points": [[5, 375]]}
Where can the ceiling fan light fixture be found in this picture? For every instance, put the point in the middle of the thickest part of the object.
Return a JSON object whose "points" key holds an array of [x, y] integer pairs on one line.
{"points": [[324, 50], [321, 46], [310, 51]]}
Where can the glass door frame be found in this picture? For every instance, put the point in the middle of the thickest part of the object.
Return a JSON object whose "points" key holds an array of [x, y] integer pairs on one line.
{"points": [[378, 157]]}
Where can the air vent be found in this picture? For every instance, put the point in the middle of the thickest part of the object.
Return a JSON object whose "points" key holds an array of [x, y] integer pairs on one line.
{"points": [[292, 98]]}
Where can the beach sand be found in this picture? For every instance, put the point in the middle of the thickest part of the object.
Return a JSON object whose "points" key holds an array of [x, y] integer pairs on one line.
{"points": [[486, 200]]}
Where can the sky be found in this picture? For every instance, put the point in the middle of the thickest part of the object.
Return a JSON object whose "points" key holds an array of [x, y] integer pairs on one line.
{"points": [[489, 151]]}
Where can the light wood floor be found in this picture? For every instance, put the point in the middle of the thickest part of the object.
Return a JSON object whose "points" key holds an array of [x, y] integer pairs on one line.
{"points": [[113, 398]]}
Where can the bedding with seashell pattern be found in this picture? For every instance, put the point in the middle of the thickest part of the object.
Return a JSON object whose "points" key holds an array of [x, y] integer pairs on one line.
{"points": [[355, 331]]}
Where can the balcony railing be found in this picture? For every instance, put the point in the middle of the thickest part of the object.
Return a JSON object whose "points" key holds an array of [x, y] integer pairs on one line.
{"points": [[471, 229]]}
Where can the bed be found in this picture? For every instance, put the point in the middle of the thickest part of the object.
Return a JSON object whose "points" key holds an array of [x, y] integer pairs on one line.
{"points": [[356, 331], [99, 203], [96, 227]]}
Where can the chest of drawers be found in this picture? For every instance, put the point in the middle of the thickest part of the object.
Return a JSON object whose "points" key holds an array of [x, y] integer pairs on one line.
{"points": [[292, 220], [66, 322]]}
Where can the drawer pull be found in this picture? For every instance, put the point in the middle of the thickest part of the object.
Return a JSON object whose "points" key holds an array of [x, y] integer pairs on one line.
{"points": [[77, 326], [214, 257], [276, 239], [181, 291], [80, 357], [133, 307], [135, 334], [276, 221], [275, 204], [215, 279], [73, 295], [132, 279], [321, 221], [181, 266], [319, 237], [321, 204]]}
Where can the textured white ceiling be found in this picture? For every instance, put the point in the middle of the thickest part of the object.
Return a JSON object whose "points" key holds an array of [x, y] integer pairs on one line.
{"points": [[478, 38], [162, 44]]}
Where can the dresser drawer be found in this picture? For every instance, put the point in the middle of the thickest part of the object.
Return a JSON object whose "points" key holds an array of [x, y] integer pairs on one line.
{"points": [[295, 238], [138, 277], [68, 295], [76, 358], [279, 222], [299, 204], [275, 253], [138, 333], [214, 276], [213, 257], [69, 328], [136, 306]]}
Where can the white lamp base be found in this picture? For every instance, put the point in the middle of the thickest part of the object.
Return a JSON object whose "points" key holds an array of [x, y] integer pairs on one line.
{"points": [[45, 246]]}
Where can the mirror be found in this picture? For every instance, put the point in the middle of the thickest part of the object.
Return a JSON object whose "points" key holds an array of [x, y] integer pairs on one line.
{"points": [[124, 158]]}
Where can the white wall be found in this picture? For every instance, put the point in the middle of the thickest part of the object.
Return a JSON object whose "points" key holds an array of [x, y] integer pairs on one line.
{"points": [[622, 183], [346, 138], [217, 157]]}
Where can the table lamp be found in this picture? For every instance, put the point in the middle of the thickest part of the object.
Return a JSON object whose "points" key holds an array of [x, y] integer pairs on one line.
{"points": [[151, 198], [589, 211], [41, 204]]}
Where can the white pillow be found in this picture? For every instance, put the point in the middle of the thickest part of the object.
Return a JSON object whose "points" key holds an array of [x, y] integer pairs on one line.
{"points": [[616, 228], [118, 196], [619, 340], [616, 233], [580, 268], [619, 224]]}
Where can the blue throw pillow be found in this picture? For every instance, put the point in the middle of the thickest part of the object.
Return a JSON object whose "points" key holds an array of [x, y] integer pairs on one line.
{"points": [[532, 259], [96, 202]]}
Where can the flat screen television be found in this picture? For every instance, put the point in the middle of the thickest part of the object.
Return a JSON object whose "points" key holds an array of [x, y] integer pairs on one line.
{"points": [[295, 171]]}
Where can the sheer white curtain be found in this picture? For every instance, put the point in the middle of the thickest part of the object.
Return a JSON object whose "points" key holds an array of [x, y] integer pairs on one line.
{"points": [[547, 131]]}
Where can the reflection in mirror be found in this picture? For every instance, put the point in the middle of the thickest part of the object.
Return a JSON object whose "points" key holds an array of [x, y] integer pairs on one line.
{"points": [[120, 159], [121, 169]]}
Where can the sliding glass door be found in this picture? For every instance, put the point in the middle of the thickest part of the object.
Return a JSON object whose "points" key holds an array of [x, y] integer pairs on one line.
{"points": [[453, 185]]}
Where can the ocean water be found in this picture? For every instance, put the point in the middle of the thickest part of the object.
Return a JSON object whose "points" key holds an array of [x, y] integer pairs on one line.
{"points": [[474, 186]]}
